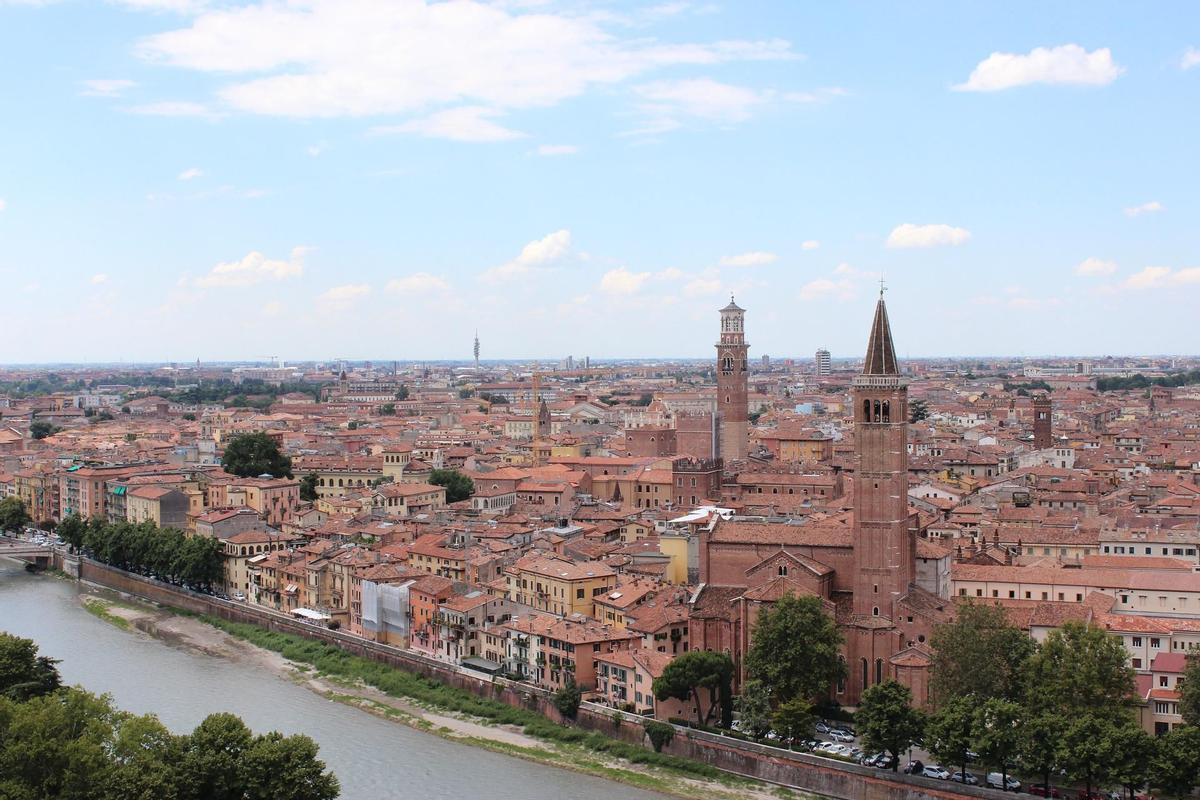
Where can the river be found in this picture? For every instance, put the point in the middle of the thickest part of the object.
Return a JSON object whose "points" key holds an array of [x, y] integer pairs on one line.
{"points": [[373, 758]]}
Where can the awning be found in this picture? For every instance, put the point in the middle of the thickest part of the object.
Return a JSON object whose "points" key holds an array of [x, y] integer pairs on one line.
{"points": [[308, 613], [291, 588]]}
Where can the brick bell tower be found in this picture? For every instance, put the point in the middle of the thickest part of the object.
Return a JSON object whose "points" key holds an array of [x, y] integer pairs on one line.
{"points": [[883, 546], [1043, 422], [732, 375]]}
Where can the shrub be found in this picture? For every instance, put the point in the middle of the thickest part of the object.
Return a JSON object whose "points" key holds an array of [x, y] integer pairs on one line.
{"points": [[660, 734]]}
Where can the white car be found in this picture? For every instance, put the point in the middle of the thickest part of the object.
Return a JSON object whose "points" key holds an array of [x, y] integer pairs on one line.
{"points": [[934, 771], [239, 596], [996, 780], [836, 749]]}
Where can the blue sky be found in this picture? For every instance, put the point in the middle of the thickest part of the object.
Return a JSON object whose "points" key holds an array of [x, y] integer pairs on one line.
{"points": [[371, 179]]}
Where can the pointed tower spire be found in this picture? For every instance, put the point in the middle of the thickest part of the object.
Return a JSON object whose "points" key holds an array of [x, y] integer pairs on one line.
{"points": [[881, 353]]}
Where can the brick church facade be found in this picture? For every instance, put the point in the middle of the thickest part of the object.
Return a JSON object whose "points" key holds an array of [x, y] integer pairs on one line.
{"points": [[862, 564]]}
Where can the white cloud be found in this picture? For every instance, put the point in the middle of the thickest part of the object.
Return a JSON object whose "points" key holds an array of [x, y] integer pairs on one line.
{"points": [[702, 287], [177, 6], [1092, 267], [622, 281], [106, 87], [342, 298], [417, 283], [315, 150], [462, 124], [328, 58], [99, 278], [3, 204], [754, 258], [1065, 64], [190, 172], [1190, 59], [701, 98], [1145, 208], [822, 288], [252, 269], [272, 308], [557, 150], [176, 108], [670, 274], [910, 235], [810, 244], [1162, 277], [538, 253]]}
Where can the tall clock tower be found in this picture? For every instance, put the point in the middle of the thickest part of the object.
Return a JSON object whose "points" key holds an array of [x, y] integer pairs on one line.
{"points": [[732, 375]]}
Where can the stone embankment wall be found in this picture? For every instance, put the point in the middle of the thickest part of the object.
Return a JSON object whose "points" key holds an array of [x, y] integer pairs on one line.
{"points": [[797, 770]]}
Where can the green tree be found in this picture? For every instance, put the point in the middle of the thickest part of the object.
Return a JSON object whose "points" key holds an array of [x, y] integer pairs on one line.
{"points": [[951, 731], [189, 416], [56, 746], [660, 733], [998, 733], [1091, 746], [458, 486], [388, 409], [252, 454], [980, 653], [1039, 746], [40, 429], [1136, 750], [794, 719], [211, 760], [795, 649], [886, 719], [278, 767], [1189, 692], [23, 673], [308, 487], [147, 756], [754, 709], [917, 410], [13, 516], [567, 699], [688, 675], [1080, 668], [402, 393], [1176, 766], [72, 530]]}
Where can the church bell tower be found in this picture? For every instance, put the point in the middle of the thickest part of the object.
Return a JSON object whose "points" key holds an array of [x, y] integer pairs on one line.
{"points": [[732, 378], [883, 546]]}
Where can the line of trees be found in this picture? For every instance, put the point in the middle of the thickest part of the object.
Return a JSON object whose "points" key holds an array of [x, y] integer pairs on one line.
{"points": [[167, 554], [1140, 381], [1064, 707], [69, 743]]}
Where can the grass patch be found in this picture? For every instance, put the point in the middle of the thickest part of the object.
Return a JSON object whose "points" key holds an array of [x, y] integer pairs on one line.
{"points": [[100, 608], [336, 663]]}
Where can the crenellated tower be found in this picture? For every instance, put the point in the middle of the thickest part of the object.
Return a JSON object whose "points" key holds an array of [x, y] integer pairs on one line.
{"points": [[732, 382]]}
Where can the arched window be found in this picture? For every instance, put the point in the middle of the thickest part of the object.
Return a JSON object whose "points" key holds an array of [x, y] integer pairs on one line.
{"points": [[875, 611], [864, 672], [783, 570], [887, 411], [879, 670], [876, 411], [866, 410], [340, 482], [841, 683]]}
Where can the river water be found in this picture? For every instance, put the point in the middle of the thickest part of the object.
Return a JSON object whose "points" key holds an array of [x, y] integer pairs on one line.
{"points": [[373, 758]]}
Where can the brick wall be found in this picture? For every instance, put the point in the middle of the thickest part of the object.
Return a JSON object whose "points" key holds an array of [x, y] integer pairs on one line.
{"points": [[797, 770]]}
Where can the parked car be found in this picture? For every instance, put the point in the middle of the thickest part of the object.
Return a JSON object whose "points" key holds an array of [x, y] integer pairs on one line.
{"points": [[1038, 790], [964, 777], [996, 780], [841, 736], [934, 771], [913, 768], [239, 596], [821, 727], [887, 762]]}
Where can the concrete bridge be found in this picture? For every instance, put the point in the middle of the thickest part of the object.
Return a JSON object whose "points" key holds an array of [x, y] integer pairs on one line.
{"points": [[36, 555]]}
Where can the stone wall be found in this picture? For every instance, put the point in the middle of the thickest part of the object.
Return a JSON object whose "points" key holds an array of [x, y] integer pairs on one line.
{"points": [[797, 770]]}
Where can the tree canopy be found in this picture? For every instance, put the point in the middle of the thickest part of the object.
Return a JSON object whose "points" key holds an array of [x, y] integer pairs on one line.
{"points": [[251, 454], [458, 486], [308, 487], [13, 515], [685, 677], [886, 719], [794, 650], [978, 654], [23, 673], [166, 553]]}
